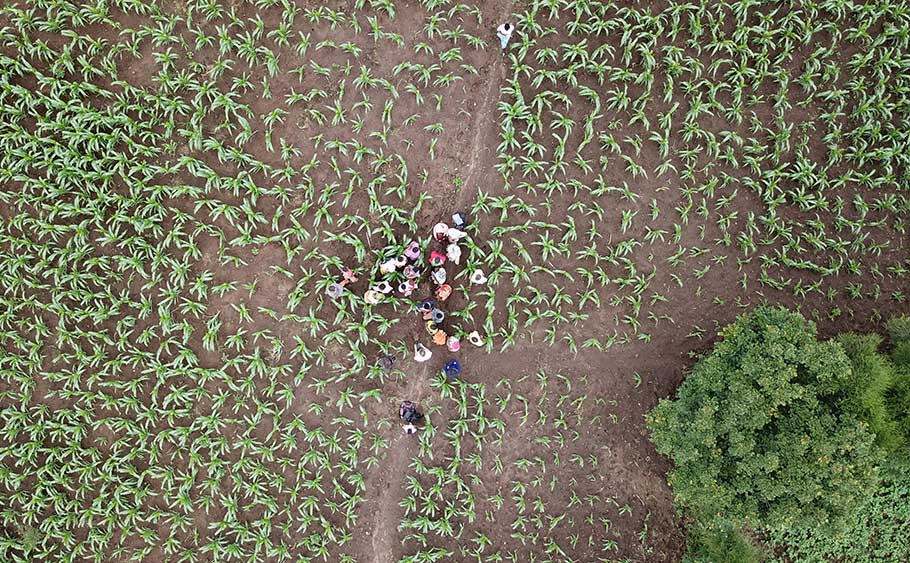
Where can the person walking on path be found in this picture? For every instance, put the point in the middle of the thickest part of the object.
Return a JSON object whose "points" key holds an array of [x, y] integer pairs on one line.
{"points": [[504, 33], [409, 414]]}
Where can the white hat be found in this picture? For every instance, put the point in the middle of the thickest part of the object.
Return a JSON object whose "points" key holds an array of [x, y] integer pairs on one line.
{"points": [[477, 278], [440, 230], [421, 353], [406, 288], [475, 339], [455, 235], [334, 290], [388, 266]]}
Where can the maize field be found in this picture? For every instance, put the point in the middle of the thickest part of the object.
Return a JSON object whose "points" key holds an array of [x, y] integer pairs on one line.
{"points": [[182, 180]]}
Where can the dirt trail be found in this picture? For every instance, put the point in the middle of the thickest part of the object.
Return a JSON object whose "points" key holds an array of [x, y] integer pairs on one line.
{"points": [[485, 127], [386, 488], [383, 495], [483, 145], [382, 507], [385, 512]]}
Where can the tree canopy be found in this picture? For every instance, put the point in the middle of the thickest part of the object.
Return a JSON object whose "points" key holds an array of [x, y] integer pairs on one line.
{"points": [[758, 433]]}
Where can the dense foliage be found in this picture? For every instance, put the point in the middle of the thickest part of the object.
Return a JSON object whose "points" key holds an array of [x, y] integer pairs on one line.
{"points": [[898, 396], [724, 543], [754, 433], [878, 529], [804, 440]]}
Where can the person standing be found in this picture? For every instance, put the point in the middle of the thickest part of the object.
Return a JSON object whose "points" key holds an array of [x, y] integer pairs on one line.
{"points": [[504, 33], [452, 369], [409, 414], [421, 353]]}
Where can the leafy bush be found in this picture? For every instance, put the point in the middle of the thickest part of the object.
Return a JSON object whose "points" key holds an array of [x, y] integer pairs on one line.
{"points": [[755, 435], [866, 387], [899, 329], [771, 413], [877, 532], [720, 544]]}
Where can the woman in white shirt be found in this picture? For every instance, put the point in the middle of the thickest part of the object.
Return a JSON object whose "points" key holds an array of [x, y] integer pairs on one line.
{"points": [[504, 32]]}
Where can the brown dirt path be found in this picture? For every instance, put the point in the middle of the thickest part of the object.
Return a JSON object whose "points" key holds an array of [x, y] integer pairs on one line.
{"points": [[382, 506], [386, 488], [483, 144]]}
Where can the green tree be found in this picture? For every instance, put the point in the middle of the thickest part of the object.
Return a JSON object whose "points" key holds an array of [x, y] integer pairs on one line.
{"points": [[878, 393], [756, 434]]}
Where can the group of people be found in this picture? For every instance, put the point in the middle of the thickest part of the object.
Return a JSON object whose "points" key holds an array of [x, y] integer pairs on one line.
{"points": [[406, 272], [431, 310]]}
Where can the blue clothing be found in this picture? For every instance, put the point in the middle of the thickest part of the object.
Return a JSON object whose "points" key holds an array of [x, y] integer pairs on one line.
{"points": [[453, 368], [504, 32]]}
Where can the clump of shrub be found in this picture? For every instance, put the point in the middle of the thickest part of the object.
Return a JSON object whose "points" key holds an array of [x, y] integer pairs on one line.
{"points": [[780, 432], [720, 543]]}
